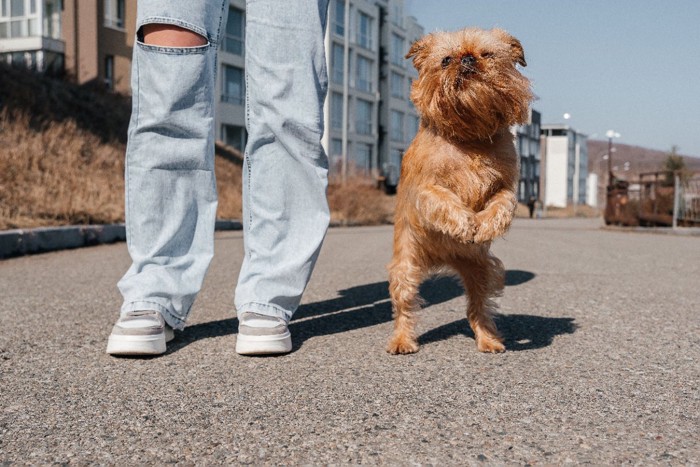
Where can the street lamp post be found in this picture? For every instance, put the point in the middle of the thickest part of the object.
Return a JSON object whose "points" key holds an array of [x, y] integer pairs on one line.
{"points": [[610, 134]]}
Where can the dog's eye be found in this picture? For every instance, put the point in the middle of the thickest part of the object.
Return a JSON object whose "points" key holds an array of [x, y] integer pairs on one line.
{"points": [[487, 55], [446, 61]]}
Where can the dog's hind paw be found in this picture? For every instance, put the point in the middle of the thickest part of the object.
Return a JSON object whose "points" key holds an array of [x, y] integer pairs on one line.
{"points": [[490, 345]]}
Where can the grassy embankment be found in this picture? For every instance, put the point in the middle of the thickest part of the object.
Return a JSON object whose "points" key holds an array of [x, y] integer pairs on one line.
{"points": [[62, 160]]}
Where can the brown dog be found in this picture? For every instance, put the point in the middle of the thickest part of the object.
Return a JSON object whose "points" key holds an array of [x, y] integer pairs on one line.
{"points": [[459, 175]]}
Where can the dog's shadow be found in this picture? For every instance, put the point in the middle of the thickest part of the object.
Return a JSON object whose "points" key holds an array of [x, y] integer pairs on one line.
{"points": [[368, 305]]}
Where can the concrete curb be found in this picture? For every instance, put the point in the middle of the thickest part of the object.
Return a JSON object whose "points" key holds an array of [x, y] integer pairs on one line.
{"points": [[682, 231], [44, 239]]}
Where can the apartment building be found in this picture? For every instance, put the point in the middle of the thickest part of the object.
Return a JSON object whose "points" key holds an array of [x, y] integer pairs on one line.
{"points": [[527, 144], [565, 166], [230, 108], [89, 40], [398, 119], [366, 41]]}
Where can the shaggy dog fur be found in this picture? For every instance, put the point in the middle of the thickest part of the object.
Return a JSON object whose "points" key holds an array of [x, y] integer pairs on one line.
{"points": [[458, 177]]}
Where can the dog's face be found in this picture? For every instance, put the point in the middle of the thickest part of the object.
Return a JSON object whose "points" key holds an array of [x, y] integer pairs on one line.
{"points": [[468, 86]]}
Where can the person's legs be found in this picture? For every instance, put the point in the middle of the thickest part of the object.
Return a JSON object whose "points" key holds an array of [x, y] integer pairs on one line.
{"points": [[170, 185], [285, 211]]}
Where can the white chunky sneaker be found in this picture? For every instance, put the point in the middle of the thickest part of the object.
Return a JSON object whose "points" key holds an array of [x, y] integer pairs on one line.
{"points": [[262, 335], [141, 332]]}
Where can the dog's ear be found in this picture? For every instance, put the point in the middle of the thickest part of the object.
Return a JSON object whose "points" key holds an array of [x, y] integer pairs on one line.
{"points": [[420, 50], [516, 48]]}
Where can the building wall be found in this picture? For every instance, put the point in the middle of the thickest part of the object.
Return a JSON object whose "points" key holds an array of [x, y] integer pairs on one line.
{"points": [[592, 190], [557, 165], [90, 40], [92, 43], [118, 43], [385, 147], [398, 32], [363, 91], [565, 156], [230, 110], [527, 143], [30, 35]]}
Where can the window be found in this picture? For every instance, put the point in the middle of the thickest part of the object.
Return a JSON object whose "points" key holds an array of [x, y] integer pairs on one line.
{"points": [[336, 155], [363, 117], [364, 31], [28, 60], [392, 168], [339, 19], [397, 14], [18, 18], [395, 157], [235, 136], [336, 110], [114, 13], [234, 86], [397, 126], [337, 63], [364, 74], [363, 157], [397, 50], [52, 19], [109, 72], [337, 148], [235, 32], [413, 123], [397, 88]]}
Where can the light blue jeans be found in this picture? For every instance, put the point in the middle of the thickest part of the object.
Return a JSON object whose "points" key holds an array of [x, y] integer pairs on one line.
{"points": [[170, 185]]}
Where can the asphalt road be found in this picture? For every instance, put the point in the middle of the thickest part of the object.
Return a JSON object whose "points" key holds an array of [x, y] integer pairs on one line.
{"points": [[603, 366]]}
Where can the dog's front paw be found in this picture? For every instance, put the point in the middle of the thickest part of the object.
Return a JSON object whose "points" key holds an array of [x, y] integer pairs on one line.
{"points": [[467, 232], [491, 225], [402, 344]]}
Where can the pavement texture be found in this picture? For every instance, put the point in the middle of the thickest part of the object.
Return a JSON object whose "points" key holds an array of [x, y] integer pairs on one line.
{"points": [[602, 367]]}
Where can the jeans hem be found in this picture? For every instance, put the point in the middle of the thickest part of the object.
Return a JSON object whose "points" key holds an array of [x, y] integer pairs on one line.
{"points": [[173, 321], [265, 309]]}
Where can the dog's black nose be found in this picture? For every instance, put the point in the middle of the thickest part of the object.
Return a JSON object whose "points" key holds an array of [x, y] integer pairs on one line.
{"points": [[468, 60]]}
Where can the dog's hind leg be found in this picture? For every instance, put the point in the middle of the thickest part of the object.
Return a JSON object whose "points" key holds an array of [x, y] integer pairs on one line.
{"points": [[404, 280], [483, 279]]}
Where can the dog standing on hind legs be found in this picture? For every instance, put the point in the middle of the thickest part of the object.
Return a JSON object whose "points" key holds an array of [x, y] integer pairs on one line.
{"points": [[458, 177]]}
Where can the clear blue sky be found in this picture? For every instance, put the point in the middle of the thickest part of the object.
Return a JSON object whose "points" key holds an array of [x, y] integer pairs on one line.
{"points": [[628, 65]]}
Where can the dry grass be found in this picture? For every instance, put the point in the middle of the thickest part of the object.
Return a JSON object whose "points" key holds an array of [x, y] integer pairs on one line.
{"points": [[60, 175], [62, 160], [65, 175], [358, 202], [558, 213], [581, 210], [228, 182]]}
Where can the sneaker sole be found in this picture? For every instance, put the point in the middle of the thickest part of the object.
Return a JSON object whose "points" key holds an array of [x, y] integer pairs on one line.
{"points": [[136, 345], [264, 345]]}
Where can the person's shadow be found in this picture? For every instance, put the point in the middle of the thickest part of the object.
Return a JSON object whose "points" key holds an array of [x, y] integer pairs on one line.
{"points": [[368, 305]]}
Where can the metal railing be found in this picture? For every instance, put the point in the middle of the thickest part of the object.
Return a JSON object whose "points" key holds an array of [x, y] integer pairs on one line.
{"points": [[686, 206], [655, 199]]}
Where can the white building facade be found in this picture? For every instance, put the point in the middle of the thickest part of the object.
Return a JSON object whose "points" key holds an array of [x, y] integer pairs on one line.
{"points": [[565, 166]]}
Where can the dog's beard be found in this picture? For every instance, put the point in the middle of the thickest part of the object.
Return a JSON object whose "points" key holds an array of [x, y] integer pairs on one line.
{"points": [[471, 105]]}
